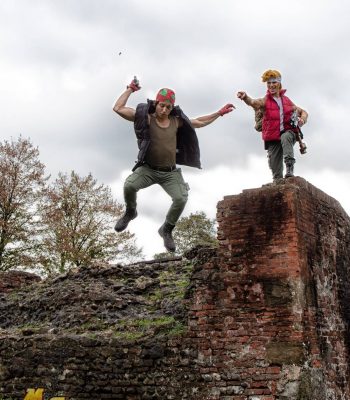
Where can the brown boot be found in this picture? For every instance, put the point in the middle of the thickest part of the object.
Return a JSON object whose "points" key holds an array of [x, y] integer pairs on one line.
{"points": [[289, 168], [165, 232], [123, 222]]}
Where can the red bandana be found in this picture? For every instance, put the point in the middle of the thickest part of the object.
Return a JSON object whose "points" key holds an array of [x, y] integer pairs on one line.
{"points": [[166, 96]]}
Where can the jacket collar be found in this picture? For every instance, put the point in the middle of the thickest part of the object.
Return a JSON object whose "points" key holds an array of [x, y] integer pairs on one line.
{"points": [[282, 92]]}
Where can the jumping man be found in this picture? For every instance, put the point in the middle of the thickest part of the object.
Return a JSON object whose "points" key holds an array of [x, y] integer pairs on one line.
{"points": [[165, 137]]}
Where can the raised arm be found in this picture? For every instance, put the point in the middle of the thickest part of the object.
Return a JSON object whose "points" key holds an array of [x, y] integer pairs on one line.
{"points": [[255, 103], [120, 108], [205, 120]]}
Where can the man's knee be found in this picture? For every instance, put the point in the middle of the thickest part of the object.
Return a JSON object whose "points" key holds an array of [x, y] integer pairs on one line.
{"points": [[180, 200], [129, 186], [288, 138]]}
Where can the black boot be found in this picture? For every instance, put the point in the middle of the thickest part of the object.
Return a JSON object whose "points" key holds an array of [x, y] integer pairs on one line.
{"points": [[289, 168], [165, 232], [123, 222]]}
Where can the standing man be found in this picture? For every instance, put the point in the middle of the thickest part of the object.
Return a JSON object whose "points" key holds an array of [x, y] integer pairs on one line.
{"points": [[278, 131], [165, 137]]}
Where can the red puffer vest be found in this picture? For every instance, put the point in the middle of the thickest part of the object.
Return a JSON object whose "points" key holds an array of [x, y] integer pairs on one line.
{"points": [[271, 119]]}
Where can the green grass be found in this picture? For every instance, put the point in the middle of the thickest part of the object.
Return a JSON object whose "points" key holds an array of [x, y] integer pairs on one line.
{"points": [[177, 330], [92, 325], [128, 335], [156, 296], [176, 283], [145, 323]]}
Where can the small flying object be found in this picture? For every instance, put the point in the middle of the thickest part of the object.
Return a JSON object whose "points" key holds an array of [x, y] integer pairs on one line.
{"points": [[120, 53]]}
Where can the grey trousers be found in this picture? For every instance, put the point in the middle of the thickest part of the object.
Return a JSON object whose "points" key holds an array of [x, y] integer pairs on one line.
{"points": [[172, 182], [277, 152]]}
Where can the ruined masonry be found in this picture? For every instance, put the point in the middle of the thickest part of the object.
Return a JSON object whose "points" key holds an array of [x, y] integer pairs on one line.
{"points": [[265, 316]]}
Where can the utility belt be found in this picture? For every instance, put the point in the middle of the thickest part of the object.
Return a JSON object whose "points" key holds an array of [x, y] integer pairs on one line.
{"points": [[162, 169]]}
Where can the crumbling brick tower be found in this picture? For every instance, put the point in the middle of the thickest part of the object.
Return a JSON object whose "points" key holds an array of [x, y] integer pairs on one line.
{"points": [[272, 312]]}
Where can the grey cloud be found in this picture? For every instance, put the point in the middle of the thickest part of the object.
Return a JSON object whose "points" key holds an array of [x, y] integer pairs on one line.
{"points": [[205, 50]]}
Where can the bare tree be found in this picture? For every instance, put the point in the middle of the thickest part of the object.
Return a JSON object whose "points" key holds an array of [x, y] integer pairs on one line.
{"points": [[78, 217], [21, 181]]}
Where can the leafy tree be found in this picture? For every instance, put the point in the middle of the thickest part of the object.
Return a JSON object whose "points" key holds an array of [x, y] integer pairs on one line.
{"points": [[21, 181], [78, 216], [196, 229]]}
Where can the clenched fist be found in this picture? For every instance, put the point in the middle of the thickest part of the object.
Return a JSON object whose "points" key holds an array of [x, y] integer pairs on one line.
{"points": [[134, 85], [241, 95]]}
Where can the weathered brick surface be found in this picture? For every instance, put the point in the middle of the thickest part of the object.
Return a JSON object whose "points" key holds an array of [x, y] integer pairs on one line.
{"points": [[284, 260], [267, 315]]}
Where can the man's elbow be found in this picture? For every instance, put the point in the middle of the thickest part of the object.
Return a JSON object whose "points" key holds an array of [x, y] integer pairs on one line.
{"points": [[116, 108], [119, 111]]}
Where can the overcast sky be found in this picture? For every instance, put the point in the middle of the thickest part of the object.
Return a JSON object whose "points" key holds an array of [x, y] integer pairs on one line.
{"points": [[61, 71]]}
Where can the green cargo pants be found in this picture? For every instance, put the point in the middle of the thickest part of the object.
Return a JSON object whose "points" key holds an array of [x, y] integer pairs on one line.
{"points": [[172, 182], [279, 151]]}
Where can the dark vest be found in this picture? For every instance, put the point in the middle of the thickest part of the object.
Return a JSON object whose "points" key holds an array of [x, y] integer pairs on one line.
{"points": [[187, 146]]}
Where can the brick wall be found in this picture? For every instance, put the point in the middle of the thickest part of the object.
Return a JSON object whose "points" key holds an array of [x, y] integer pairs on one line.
{"points": [[267, 317], [283, 267]]}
